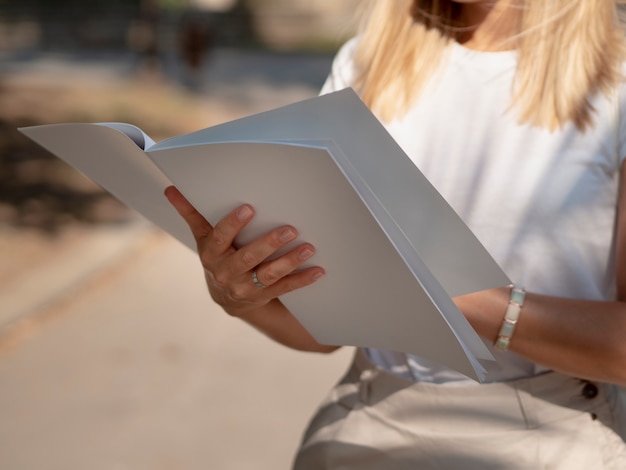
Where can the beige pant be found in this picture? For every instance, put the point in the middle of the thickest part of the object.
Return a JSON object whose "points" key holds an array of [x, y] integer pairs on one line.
{"points": [[375, 420]]}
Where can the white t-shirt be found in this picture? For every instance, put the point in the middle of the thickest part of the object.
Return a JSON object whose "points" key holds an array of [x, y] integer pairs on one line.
{"points": [[542, 203]]}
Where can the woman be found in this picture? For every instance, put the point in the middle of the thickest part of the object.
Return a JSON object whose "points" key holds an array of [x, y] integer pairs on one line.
{"points": [[515, 111]]}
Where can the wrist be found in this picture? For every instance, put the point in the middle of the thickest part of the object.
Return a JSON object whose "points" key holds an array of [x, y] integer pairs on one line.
{"points": [[245, 311], [511, 316], [484, 310]]}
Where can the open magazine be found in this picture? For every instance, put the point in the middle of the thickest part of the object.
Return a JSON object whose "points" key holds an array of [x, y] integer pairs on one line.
{"points": [[394, 251]]}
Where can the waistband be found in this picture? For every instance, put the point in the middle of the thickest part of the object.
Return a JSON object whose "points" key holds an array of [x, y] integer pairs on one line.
{"points": [[376, 384]]}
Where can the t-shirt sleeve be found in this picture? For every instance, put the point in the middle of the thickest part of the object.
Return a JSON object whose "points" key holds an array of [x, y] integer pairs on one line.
{"points": [[342, 72]]}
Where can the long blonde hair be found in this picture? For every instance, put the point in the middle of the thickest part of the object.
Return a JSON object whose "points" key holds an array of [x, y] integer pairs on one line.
{"points": [[568, 51]]}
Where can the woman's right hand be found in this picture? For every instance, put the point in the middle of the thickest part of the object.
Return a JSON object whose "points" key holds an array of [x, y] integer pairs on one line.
{"points": [[229, 270]]}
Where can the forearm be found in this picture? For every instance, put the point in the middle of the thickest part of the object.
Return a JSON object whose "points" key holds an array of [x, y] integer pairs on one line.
{"points": [[582, 338], [278, 323]]}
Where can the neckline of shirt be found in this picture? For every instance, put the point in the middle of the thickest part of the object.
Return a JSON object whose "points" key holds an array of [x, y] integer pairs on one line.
{"points": [[491, 59]]}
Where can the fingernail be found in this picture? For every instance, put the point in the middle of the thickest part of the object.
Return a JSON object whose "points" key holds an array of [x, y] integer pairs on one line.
{"points": [[287, 235], [317, 275], [306, 253], [244, 213]]}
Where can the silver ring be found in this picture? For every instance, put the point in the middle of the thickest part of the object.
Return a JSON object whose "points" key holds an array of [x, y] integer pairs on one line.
{"points": [[256, 281]]}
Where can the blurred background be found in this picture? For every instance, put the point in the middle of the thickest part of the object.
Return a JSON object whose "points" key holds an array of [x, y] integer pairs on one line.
{"points": [[112, 355]]}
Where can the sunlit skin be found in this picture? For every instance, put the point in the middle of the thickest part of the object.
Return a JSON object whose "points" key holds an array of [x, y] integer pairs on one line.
{"points": [[489, 24], [579, 337]]}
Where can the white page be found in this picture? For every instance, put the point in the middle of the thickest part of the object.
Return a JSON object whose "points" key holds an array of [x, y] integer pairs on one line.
{"points": [[441, 300], [431, 238], [434, 234], [449, 249], [115, 162], [470, 341], [368, 297], [139, 137]]}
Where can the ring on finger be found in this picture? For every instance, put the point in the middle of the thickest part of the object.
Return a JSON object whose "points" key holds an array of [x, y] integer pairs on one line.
{"points": [[255, 280]]}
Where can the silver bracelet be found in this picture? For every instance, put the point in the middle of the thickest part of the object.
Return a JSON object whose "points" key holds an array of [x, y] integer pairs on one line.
{"points": [[516, 302]]}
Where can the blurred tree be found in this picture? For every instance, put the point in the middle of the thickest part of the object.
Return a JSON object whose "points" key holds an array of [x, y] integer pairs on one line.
{"points": [[81, 3]]}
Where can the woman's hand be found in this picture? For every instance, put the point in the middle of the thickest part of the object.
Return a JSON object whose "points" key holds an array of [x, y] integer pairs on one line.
{"points": [[229, 271]]}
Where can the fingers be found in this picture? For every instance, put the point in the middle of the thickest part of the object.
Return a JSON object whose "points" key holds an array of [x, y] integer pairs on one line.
{"points": [[235, 288], [226, 230], [253, 254], [228, 270], [197, 223], [213, 241], [291, 282], [283, 274], [269, 273]]}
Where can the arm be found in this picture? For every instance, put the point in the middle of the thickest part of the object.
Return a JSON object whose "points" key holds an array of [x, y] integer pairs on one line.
{"points": [[228, 272], [583, 338]]}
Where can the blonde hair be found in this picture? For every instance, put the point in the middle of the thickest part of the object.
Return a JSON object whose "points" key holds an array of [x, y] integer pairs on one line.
{"points": [[568, 51]]}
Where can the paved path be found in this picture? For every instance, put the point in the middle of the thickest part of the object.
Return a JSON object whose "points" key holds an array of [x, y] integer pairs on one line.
{"points": [[130, 366]]}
